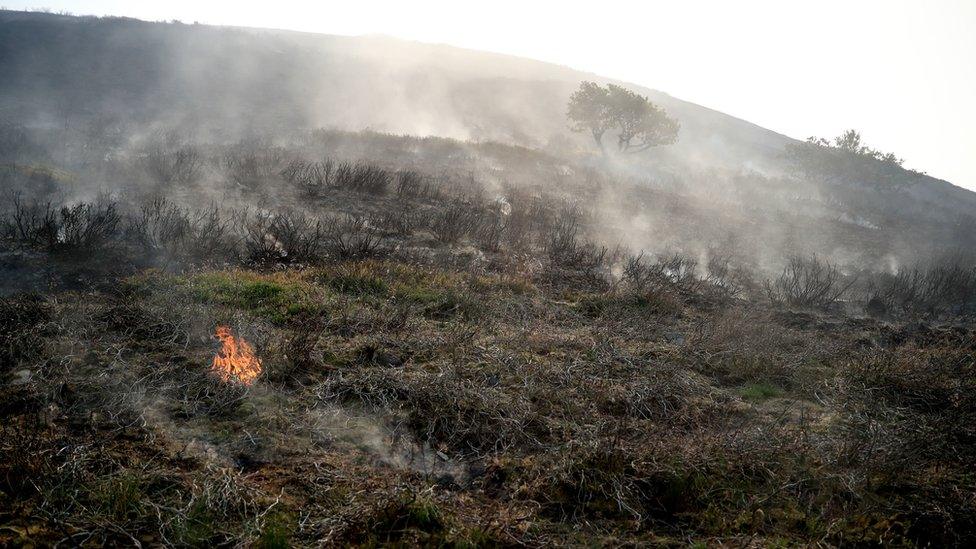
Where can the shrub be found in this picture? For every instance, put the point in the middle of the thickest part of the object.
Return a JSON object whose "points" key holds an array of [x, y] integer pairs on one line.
{"points": [[82, 228], [351, 237], [727, 276], [181, 165], [491, 231], [310, 177], [808, 282], [907, 408], [413, 185], [566, 249], [286, 237], [403, 221], [362, 178], [249, 166], [669, 272], [947, 287], [179, 234], [161, 227], [457, 220]]}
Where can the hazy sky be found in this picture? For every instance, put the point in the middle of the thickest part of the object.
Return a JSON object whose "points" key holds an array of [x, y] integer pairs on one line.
{"points": [[903, 72]]}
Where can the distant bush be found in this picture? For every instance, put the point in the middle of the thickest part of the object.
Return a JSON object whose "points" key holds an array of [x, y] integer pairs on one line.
{"points": [[176, 233], [362, 178], [727, 275], [413, 184], [286, 237], [311, 177], [404, 219], [808, 282], [672, 271], [565, 246], [249, 166], [945, 288], [351, 237], [455, 221], [81, 228], [181, 165]]}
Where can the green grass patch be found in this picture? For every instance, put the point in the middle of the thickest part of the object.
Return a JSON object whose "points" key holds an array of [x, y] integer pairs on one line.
{"points": [[279, 298], [439, 295], [440, 303], [357, 280], [277, 532], [295, 295], [119, 496]]}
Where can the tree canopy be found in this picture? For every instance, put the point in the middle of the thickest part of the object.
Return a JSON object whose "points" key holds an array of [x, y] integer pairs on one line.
{"points": [[846, 160], [639, 123]]}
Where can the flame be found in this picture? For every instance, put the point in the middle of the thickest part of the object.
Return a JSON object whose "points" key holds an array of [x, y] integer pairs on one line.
{"points": [[236, 360]]}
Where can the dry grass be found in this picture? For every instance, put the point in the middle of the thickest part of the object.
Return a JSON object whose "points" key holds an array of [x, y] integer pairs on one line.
{"points": [[477, 372]]}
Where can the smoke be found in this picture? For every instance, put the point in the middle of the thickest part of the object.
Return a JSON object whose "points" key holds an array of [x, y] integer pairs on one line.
{"points": [[137, 87], [365, 433]]}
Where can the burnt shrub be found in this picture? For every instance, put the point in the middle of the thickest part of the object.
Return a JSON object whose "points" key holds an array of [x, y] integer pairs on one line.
{"points": [[673, 272], [403, 221], [311, 177], [491, 231], [945, 288], [81, 228], [566, 248], [727, 275], [178, 164], [362, 178], [251, 166], [286, 237], [175, 233], [808, 282], [161, 227], [411, 184], [458, 220], [351, 237]]}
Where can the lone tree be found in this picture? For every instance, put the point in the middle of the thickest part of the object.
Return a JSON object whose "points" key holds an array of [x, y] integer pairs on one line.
{"points": [[639, 124], [847, 161]]}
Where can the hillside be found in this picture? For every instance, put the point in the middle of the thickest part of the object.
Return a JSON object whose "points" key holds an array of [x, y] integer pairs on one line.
{"points": [[269, 289], [126, 79], [160, 72]]}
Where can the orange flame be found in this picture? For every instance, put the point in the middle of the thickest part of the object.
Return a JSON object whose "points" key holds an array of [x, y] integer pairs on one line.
{"points": [[236, 360]]}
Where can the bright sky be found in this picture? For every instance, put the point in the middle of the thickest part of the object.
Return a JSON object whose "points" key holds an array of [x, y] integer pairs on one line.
{"points": [[901, 71]]}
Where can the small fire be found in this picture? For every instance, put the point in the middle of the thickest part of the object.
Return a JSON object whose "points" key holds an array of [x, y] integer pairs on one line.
{"points": [[236, 360]]}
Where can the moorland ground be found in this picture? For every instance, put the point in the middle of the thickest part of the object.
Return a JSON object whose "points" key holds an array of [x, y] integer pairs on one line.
{"points": [[450, 360]]}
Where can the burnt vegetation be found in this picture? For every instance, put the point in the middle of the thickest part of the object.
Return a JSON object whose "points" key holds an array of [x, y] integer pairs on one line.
{"points": [[474, 344], [471, 355]]}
